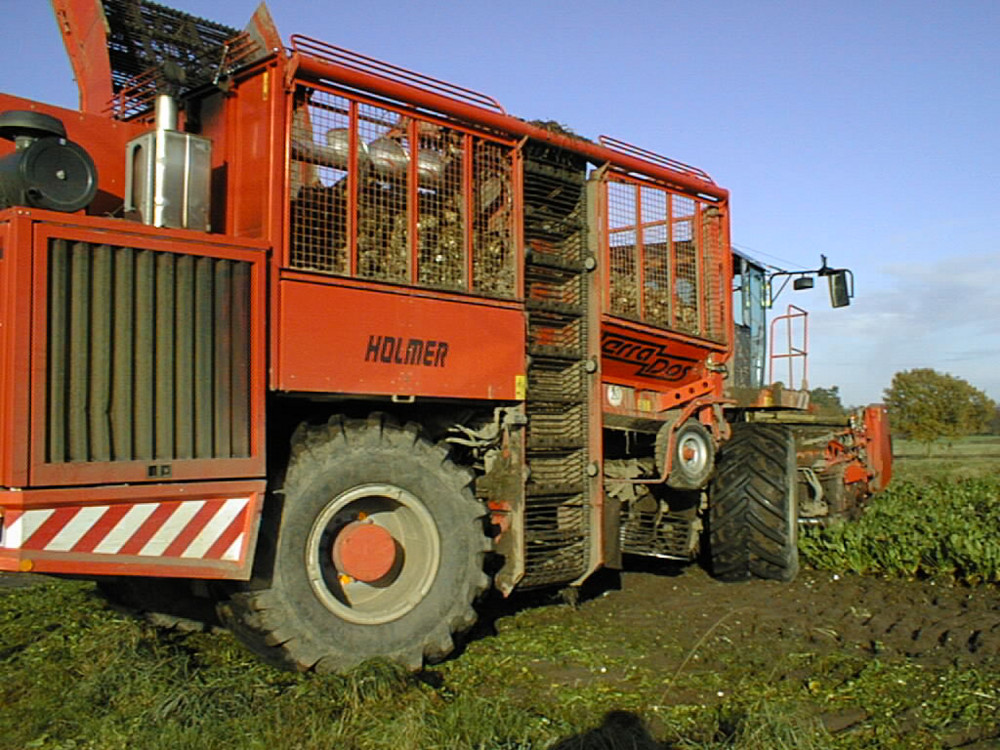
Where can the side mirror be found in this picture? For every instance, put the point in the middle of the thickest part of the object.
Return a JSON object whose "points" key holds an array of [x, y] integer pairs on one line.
{"points": [[841, 288]]}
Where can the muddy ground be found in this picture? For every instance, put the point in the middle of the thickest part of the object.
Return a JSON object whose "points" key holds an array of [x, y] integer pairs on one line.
{"points": [[659, 638], [673, 637], [933, 623]]}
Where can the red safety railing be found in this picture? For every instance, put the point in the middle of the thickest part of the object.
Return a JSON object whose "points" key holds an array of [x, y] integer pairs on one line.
{"points": [[627, 148], [795, 351], [356, 61]]}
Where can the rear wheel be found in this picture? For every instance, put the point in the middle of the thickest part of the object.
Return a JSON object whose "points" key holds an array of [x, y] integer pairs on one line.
{"points": [[378, 550], [753, 512]]}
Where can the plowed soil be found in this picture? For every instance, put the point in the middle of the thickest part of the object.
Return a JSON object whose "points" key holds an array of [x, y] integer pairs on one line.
{"points": [[930, 622]]}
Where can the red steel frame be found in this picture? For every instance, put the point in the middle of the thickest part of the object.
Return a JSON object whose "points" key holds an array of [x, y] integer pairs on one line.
{"points": [[415, 116], [793, 352], [646, 394], [317, 68], [310, 360], [64, 503], [24, 236]]}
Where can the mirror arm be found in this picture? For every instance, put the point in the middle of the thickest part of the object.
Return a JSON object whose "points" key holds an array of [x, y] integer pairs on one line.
{"points": [[823, 270]]}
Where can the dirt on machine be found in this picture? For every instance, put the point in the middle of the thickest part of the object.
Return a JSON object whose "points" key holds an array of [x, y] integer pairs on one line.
{"points": [[332, 348]]}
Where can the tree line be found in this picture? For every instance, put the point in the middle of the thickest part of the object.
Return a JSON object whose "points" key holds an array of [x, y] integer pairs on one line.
{"points": [[926, 406]]}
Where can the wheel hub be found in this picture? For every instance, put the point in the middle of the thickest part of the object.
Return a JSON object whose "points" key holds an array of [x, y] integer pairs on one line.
{"points": [[372, 553], [364, 551], [692, 453]]}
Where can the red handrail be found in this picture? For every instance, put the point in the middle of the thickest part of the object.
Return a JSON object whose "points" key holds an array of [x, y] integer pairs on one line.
{"points": [[379, 81], [793, 352], [627, 148], [365, 64]]}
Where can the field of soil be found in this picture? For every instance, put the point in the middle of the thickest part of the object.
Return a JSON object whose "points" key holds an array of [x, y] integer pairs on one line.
{"points": [[663, 656], [657, 657], [929, 622], [706, 640]]}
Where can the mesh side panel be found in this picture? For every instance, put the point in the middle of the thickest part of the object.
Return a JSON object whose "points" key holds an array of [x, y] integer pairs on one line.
{"points": [[657, 300], [389, 197], [383, 224], [320, 137], [686, 267], [442, 222], [716, 281], [495, 263], [666, 259], [624, 276]]}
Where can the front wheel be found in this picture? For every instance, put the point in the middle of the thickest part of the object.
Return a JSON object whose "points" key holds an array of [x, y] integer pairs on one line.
{"points": [[378, 551], [753, 507]]}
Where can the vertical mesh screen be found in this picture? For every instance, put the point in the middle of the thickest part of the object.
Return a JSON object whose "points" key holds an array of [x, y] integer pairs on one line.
{"points": [[666, 259], [383, 195], [624, 270], [495, 265], [685, 236], [714, 260], [441, 231], [657, 301], [382, 243], [321, 138]]}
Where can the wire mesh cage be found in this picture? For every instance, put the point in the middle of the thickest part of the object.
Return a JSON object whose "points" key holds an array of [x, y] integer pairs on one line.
{"points": [[381, 194], [665, 258]]}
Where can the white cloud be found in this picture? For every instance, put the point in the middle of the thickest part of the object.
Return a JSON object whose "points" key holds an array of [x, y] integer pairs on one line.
{"points": [[943, 314]]}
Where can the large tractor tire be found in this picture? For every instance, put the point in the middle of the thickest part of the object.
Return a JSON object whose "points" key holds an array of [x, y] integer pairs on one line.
{"points": [[377, 550], [753, 507]]}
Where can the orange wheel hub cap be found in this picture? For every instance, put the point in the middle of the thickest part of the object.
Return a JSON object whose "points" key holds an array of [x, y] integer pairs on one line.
{"points": [[364, 551]]}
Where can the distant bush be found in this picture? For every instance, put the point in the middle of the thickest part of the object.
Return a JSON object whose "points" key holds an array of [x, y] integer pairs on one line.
{"points": [[947, 530]]}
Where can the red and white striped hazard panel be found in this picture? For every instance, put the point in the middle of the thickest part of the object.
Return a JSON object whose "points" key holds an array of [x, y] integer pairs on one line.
{"points": [[188, 530]]}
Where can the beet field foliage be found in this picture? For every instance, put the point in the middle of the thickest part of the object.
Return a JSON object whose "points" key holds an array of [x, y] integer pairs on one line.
{"points": [[940, 529]]}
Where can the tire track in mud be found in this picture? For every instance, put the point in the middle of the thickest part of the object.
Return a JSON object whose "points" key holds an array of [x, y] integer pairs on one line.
{"points": [[919, 620]]}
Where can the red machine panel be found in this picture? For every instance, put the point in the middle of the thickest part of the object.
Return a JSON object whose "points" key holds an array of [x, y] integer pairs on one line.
{"points": [[204, 530], [634, 356], [15, 329], [335, 338]]}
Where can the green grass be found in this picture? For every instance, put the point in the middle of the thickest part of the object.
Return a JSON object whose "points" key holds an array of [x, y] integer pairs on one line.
{"points": [[74, 674], [971, 457]]}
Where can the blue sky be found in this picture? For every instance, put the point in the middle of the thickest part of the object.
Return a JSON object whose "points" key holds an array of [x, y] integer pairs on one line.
{"points": [[865, 131]]}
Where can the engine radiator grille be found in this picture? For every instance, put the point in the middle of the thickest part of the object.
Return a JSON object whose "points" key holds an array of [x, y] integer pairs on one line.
{"points": [[148, 355]]}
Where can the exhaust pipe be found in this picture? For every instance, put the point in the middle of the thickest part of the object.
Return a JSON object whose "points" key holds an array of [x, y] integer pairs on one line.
{"points": [[168, 174]]}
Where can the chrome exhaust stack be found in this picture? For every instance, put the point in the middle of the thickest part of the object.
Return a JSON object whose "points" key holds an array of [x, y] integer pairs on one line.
{"points": [[168, 174]]}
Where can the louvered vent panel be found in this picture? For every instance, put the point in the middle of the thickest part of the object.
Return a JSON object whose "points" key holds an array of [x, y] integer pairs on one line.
{"points": [[148, 355]]}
